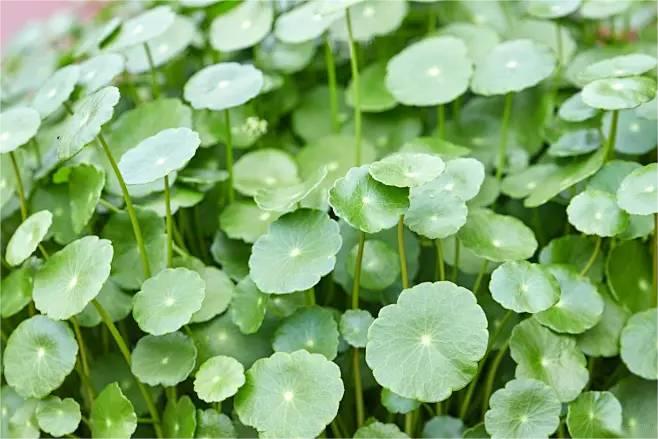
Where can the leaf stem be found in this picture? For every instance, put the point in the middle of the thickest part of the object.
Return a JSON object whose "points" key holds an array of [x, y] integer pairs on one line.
{"points": [[491, 376], [230, 194], [331, 80], [169, 223], [358, 387], [409, 423], [108, 205], [592, 258], [440, 265], [155, 89], [125, 352], [357, 270], [478, 280], [612, 136], [455, 267], [441, 121], [85, 373], [137, 230], [19, 185], [404, 275], [502, 146], [356, 98]]}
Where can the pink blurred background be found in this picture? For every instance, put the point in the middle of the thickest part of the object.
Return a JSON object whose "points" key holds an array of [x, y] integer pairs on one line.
{"points": [[15, 14]]}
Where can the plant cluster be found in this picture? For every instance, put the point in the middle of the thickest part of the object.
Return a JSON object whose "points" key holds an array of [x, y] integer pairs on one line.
{"points": [[336, 218]]}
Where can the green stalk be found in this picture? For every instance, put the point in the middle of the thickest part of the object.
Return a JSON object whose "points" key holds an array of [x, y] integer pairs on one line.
{"points": [[155, 89], [356, 363], [84, 373], [356, 98], [478, 280], [502, 147], [409, 423], [230, 194], [169, 223], [331, 80], [440, 266], [592, 258], [655, 260], [19, 185], [404, 275], [612, 136], [125, 352], [441, 121], [491, 376], [358, 387], [137, 230], [455, 268]]}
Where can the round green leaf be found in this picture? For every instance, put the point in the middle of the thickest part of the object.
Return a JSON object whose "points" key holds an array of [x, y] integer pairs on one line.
{"points": [[379, 430], [551, 8], [297, 251], [638, 399], [243, 26], [444, 426], [286, 58], [232, 255], [246, 221], [58, 417], [211, 424], [479, 38], [407, 169], [524, 287], [99, 71], [395, 403], [22, 423], [370, 19], [598, 9], [72, 277], [178, 36], [619, 93], [336, 154], [39, 354], [312, 119], [366, 204], [575, 142], [218, 378], [16, 291], [284, 199], [380, 265], [512, 66], [575, 110], [635, 134], [142, 28], [373, 94], [545, 356], [303, 23], [434, 214], [498, 238], [580, 306], [602, 340], [594, 414], [168, 300], [262, 169], [179, 418], [638, 344], [418, 331], [223, 86], [430, 72], [619, 67], [159, 155], [17, 126], [163, 360], [630, 283], [248, 306], [56, 90], [595, 212], [112, 414], [354, 324], [637, 191], [311, 328], [290, 395], [462, 177], [610, 176], [523, 408], [89, 115], [27, 237]]}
